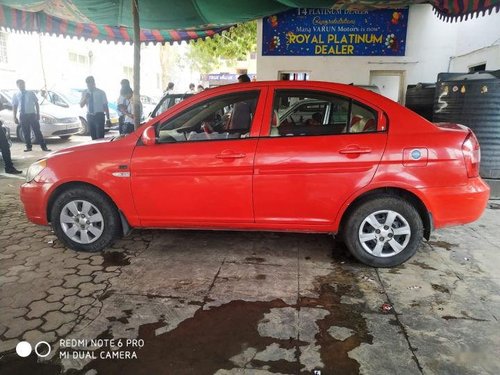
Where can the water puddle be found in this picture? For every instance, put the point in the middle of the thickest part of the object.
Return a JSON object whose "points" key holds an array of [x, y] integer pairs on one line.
{"points": [[210, 339], [443, 244], [115, 259]]}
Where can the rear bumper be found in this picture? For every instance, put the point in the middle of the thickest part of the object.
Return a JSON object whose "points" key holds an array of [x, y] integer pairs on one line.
{"points": [[32, 195], [459, 204]]}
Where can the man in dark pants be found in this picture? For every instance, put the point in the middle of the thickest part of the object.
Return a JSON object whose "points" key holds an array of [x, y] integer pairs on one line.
{"points": [[29, 115], [97, 106], [4, 147]]}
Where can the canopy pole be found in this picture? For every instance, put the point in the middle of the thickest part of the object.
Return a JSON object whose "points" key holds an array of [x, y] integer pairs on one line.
{"points": [[137, 63]]}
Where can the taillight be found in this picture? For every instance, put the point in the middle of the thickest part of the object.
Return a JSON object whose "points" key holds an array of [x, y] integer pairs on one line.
{"points": [[472, 155]]}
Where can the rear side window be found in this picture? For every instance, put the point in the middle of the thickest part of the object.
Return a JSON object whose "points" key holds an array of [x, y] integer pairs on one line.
{"points": [[304, 112]]}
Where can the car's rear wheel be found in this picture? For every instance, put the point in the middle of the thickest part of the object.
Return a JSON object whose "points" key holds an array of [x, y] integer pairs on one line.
{"points": [[85, 219], [384, 231]]}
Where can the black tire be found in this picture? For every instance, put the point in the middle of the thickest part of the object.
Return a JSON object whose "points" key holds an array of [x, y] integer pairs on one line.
{"points": [[20, 135], [65, 137], [85, 127], [406, 219], [110, 219]]}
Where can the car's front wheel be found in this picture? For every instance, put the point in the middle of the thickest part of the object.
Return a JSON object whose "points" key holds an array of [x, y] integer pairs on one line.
{"points": [[84, 130], [20, 135], [384, 231], [85, 219]]}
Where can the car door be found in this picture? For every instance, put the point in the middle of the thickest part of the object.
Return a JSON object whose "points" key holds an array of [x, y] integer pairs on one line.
{"points": [[305, 171], [199, 173]]}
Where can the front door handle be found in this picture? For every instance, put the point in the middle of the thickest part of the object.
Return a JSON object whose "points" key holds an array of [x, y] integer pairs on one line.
{"points": [[355, 150], [227, 154]]}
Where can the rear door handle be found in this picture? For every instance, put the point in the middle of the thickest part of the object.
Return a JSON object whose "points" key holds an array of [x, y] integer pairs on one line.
{"points": [[230, 155], [355, 150]]}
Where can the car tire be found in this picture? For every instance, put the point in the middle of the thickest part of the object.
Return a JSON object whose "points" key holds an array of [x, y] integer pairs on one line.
{"points": [[84, 219], [85, 127], [20, 135], [383, 231]]}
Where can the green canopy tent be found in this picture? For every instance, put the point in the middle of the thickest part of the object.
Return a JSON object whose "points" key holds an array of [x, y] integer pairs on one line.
{"points": [[165, 21]]}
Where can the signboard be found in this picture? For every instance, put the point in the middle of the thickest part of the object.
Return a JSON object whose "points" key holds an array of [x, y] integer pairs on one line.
{"points": [[217, 79], [331, 32], [229, 77]]}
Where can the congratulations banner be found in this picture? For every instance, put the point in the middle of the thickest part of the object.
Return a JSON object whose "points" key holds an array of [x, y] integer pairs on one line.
{"points": [[329, 32]]}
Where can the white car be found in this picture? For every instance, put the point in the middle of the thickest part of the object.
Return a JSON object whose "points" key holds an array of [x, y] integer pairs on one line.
{"points": [[54, 121], [71, 99]]}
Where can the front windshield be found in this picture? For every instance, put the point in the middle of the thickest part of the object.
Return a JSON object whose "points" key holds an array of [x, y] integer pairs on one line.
{"points": [[9, 94], [72, 96]]}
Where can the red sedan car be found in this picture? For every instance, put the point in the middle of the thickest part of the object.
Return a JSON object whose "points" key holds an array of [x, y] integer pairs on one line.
{"points": [[280, 156]]}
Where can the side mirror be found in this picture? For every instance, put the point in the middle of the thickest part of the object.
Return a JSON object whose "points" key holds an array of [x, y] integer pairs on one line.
{"points": [[148, 137]]}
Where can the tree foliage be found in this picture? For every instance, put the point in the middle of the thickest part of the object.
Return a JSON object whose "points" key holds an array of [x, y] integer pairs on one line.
{"points": [[232, 45]]}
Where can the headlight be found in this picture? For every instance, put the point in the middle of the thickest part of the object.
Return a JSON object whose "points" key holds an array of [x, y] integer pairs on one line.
{"points": [[48, 119], [35, 169]]}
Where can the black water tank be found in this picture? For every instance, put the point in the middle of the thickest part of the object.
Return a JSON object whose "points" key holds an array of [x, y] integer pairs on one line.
{"points": [[473, 99], [420, 99]]}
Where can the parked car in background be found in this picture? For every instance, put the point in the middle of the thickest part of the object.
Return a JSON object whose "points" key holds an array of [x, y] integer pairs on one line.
{"points": [[71, 99], [55, 121], [371, 171], [148, 105], [166, 102]]}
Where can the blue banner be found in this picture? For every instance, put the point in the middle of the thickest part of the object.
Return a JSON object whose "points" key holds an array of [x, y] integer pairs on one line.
{"points": [[330, 32]]}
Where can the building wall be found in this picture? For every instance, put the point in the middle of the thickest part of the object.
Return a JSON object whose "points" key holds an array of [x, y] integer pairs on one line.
{"points": [[430, 44]]}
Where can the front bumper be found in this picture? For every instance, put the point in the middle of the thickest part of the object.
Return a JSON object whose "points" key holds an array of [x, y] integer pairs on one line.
{"points": [[457, 205], [33, 195], [60, 129]]}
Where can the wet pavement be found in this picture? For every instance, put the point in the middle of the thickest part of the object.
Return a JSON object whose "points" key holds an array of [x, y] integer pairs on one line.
{"points": [[199, 302]]}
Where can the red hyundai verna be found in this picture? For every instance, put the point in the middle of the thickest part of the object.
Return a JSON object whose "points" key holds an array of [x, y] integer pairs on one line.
{"points": [[281, 156]]}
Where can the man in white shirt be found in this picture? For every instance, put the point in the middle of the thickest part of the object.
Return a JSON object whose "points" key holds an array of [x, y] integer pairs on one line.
{"points": [[97, 106], [29, 115]]}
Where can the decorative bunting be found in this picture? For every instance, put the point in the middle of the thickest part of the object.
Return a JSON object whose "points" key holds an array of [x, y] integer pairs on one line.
{"points": [[18, 20]]}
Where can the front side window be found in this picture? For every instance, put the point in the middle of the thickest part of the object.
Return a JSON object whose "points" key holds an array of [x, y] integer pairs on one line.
{"points": [[225, 117], [300, 112]]}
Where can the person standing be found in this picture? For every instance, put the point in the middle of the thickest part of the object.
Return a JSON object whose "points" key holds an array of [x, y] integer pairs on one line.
{"points": [[121, 103], [5, 149], [29, 115], [170, 89], [192, 89], [97, 107], [128, 126], [243, 78]]}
